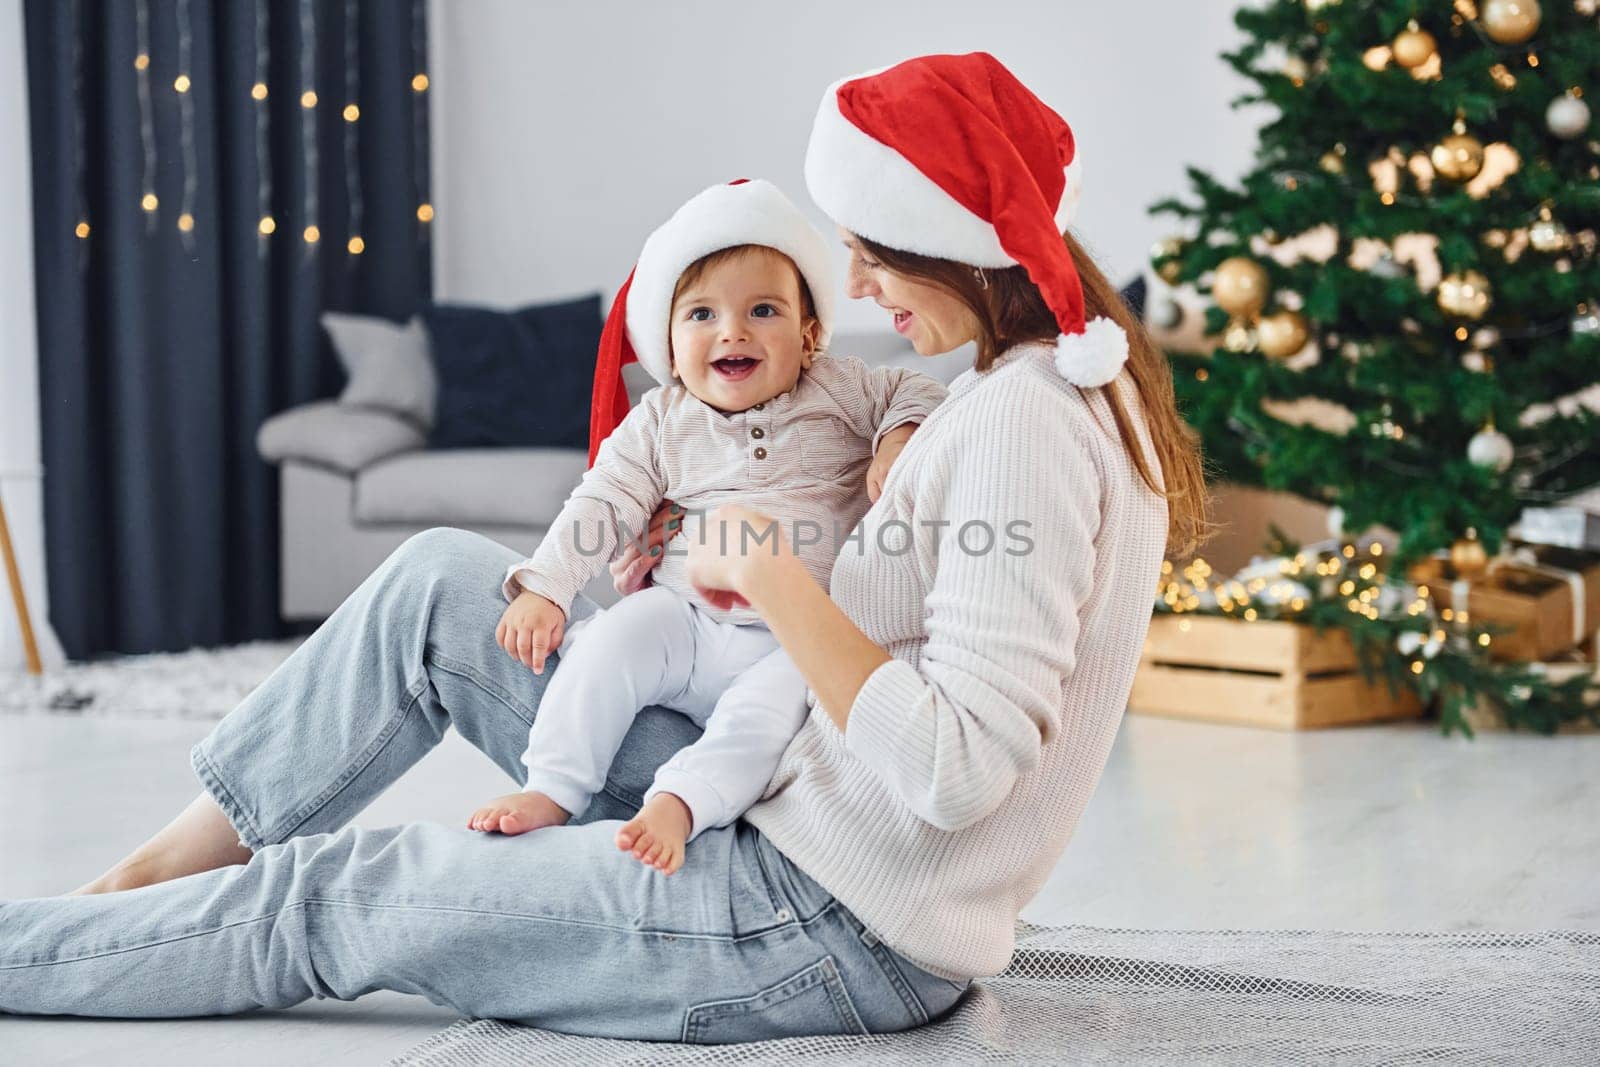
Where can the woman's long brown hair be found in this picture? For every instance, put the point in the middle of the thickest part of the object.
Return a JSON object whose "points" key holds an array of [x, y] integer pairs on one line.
{"points": [[1010, 311]]}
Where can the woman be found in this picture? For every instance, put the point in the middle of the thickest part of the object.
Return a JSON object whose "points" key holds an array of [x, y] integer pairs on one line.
{"points": [[969, 674]]}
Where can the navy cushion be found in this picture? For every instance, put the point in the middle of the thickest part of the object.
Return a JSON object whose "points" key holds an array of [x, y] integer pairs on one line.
{"points": [[519, 378]]}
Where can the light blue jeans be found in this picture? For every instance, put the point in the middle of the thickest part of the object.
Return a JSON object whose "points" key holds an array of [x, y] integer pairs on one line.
{"points": [[556, 928]]}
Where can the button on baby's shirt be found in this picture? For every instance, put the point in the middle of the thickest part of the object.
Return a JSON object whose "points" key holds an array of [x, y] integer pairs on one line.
{"points": [[758, 433], [761, 453]]}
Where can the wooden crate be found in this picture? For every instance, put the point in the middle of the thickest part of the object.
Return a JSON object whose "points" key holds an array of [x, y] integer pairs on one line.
{"points": [[1281, 675]]}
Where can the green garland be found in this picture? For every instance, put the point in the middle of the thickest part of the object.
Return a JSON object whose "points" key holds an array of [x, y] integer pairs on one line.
{"points": [[1451, 670]]}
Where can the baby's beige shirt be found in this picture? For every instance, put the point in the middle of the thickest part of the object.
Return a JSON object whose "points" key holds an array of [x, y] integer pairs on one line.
{"points": [[800, 457]]}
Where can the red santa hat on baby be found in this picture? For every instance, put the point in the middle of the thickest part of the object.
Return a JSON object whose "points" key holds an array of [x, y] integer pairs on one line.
{"points": [[953, 157], [741, 212]]}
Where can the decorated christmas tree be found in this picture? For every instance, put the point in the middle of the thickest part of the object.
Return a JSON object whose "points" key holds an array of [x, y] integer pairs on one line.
{"points": [[1405, 294]]}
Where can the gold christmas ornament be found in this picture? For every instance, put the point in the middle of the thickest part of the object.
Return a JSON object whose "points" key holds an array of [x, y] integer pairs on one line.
{"points": [[1459, 157], [1511, 21], [1414, 46], [1240, 286], [1282, 334], [1164, 255], [1464, 294], [1468, 558]]}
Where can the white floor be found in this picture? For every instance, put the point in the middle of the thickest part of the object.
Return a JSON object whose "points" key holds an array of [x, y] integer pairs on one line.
{"points": [[1194, 826]]}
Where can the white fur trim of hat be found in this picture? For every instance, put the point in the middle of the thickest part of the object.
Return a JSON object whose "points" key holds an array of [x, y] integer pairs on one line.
{"points": [[753, 212]]}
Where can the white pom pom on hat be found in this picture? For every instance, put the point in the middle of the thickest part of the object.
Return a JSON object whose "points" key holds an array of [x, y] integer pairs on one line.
{"points": [[881, 163]]}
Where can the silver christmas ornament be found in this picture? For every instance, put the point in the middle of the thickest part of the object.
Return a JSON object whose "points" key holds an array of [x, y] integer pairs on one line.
{"points": [[1548, 235], [1386, 266], [1490, 448], [1586, 324], [1567, 117]]}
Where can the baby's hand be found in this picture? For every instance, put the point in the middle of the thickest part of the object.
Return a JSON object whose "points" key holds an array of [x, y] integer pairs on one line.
{"points": [[530, 629], [657, 834], [630, 572], [889, 448]]}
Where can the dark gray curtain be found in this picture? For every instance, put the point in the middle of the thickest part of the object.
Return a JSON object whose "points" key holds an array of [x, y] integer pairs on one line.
{"points": [[170, 328]]}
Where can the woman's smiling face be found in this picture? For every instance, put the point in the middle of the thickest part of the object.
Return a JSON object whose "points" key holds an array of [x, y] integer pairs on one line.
{"points": [[931, 318]]}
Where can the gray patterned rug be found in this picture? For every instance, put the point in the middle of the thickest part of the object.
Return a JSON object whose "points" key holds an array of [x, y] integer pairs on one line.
{"points": [[198, 684], [1083, 994]]}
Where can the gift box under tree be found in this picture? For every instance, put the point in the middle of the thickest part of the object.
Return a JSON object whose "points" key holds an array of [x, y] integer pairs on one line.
{"points": [[1546, 600]]}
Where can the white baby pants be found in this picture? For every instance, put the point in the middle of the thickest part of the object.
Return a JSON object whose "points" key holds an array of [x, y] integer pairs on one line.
{"points": [[655, 647]]}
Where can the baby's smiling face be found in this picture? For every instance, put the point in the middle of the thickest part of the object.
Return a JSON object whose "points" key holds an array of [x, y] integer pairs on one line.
{"points": [[740, 332]]}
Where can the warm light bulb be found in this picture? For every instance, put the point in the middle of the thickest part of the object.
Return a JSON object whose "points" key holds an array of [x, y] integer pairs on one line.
{"points": [[266, 225], [308, 99], [181, 83], [424, 212], [149, 202], [420, 83], [258, 91], [356, 246], [351, 112], [141, 62], [81, 229], [312, 235], [186, 222]]}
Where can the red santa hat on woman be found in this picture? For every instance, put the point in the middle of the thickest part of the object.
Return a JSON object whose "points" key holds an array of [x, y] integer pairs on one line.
{"points": [[741, 212], [953, 157]]}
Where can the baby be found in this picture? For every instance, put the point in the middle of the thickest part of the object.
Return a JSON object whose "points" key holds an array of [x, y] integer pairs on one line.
{"points": [[729, 308]]}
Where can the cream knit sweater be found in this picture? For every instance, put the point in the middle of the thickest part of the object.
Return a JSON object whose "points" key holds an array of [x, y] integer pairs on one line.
{"points": [[969, 756]]}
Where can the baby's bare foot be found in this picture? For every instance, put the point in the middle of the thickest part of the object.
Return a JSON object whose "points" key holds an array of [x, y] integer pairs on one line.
{"points": [[657, 834], [517, 813]]}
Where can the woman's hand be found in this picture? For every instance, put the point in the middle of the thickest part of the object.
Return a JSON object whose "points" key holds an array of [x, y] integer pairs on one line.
{"points": [[530, 629], [630, 572], [733, 543], [890, 446]]}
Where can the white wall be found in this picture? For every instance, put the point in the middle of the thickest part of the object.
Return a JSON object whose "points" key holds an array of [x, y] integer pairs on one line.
{"points": [[19, 379], [564, 131]]}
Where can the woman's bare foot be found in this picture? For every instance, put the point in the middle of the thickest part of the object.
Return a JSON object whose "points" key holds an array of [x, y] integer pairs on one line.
{"points": [[657, 834], [200, 839], [517, 813]]}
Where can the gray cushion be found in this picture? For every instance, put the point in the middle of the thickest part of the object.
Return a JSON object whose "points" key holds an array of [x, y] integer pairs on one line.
{"points": [[389, 366], [329, 434], [453, 487]]}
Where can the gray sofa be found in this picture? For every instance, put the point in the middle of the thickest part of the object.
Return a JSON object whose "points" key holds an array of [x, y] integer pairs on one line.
{"points": [[356, 481]]}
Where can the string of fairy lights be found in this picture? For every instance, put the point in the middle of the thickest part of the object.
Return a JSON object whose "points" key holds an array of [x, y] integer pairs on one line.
{"points": [[184, 87]]}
